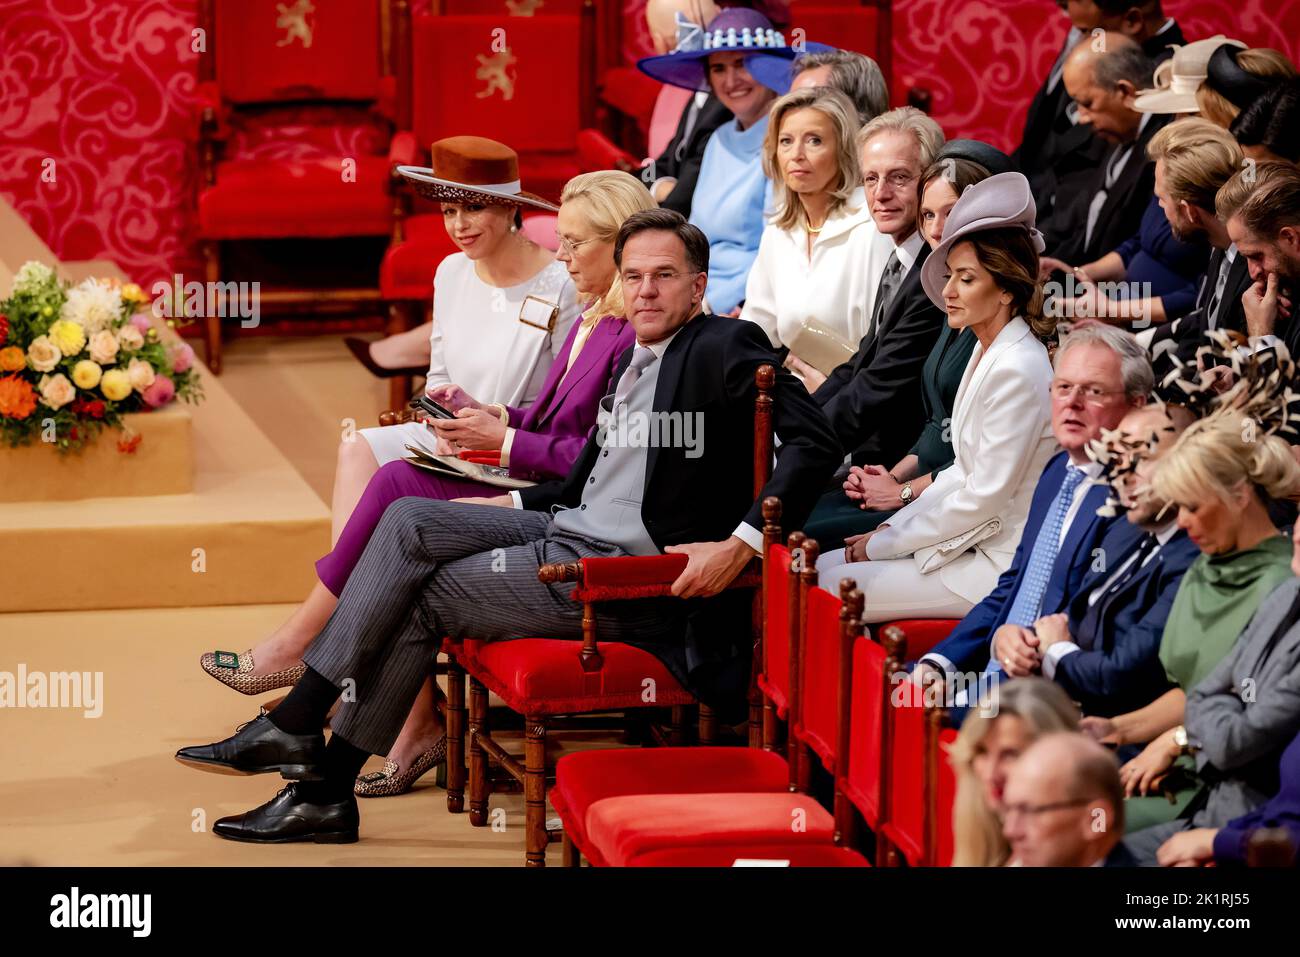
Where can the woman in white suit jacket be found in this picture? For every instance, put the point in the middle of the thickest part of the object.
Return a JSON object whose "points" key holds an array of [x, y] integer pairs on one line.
{"points": [[940, 555]]}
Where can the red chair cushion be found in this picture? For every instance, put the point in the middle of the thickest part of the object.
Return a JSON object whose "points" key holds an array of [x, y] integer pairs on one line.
{"points": [[945, 799], [621, 828], [586, 777], [408, 267], [818, 724], [260, 60], [726, 855], [905, 826], [862, 783], [543, 676], [267, 199], [922, 633], [774, 682], [632, 93], [849, 28]]}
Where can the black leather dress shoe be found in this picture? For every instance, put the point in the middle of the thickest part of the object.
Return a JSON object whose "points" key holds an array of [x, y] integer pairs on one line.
{"points": [[287, 818], [360, 350], [257, 748]]}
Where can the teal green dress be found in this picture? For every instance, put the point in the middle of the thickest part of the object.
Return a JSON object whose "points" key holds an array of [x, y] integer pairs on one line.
{"points": [[836, 516], [1216, 599]]}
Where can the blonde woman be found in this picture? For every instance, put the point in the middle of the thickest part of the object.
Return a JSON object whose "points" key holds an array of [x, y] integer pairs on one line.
{"points": [[541, 443], [1218, 476], [820, 258], [989, 743]]}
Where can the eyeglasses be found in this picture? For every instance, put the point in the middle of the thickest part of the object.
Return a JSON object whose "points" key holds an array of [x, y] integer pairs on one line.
{"points": [[1090, 393], [898, 179], [571, 247], [634, 280], [1033, 810]]}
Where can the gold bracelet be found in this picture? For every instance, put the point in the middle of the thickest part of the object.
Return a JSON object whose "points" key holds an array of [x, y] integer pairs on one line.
{"points": [[502, 413]]}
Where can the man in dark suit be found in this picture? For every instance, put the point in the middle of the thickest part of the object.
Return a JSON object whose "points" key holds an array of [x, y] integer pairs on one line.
{"points": [[873, 401], [1262, 208], [1103, 77], [1104, 649], [468, 569], [1194, 159], [1056, 151], [1101, 374]]}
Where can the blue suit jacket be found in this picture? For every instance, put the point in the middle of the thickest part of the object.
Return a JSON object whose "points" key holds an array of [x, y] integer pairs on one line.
{"points": [[1117, 668], [968, 645]]}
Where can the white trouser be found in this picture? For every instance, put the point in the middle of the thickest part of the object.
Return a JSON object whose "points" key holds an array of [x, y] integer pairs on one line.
{"points": [[893, 589]]}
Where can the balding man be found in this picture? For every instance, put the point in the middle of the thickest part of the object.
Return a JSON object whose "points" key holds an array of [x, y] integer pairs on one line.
{"points": [[1103, 75], [1063, 803]]}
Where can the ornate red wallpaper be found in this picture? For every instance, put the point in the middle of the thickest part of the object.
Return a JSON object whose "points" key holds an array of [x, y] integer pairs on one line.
{"points": [[97, 121]]}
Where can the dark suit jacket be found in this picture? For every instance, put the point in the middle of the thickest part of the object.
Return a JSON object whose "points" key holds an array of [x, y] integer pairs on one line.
{"points": [[874, 400], [1187, 333], [709, 369], [683, 162], [1117, 668], [968, 645], [1121, 214]]}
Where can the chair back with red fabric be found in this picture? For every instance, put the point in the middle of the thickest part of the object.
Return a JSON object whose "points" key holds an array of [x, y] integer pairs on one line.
{"points": [[905, 817], [780, 621], [945, 796], [511, 8], [849, 27], [270, 51], [862, 782], [817, 723]]}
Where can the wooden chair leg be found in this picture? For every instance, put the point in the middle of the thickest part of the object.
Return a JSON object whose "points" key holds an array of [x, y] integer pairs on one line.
{"points": [[571, 855], [455, 736], [708, 725], [677, 726], [212, 324], [535, 791], [478, 759]]}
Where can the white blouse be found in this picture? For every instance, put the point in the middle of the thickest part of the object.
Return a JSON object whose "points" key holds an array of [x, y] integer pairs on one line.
{"points": [[836, 285], [480, 340]]}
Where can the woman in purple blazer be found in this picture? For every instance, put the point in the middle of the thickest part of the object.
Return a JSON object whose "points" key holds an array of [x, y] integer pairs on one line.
{"points": [[539, 443]]}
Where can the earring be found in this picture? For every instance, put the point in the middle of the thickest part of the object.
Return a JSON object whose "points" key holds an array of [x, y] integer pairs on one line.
{"points": [[514, 228]]}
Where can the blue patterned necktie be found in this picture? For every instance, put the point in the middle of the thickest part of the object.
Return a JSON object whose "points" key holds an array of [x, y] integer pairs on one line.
{"points": [[1038, 572]]}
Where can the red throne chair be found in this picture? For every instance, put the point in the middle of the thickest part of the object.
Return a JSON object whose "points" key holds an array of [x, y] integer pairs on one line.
{"points": [[299, 102]]}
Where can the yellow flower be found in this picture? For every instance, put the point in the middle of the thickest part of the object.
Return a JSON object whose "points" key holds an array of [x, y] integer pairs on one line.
{"points": [[86, 374], [132, 293], [69, 336], [47, 311], [116, 385]]}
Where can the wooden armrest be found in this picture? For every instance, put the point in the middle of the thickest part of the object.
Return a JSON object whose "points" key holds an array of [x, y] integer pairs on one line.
{"points": [[397, 416], [630, 576]]}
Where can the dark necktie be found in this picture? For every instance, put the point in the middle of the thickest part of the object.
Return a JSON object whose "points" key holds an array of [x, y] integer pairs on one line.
{"points": [[1091, 626], [886, 289]]}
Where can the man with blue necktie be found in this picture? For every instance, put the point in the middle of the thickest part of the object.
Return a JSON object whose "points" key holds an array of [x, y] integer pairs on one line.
{"points": [[1101, 374]]}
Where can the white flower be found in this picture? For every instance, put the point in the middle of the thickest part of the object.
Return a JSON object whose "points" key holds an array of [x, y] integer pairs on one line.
{"points": [[43, 354], [129, 338], [103, 347], [56, 391], [32, 276], [141, 374], [93, 304]]}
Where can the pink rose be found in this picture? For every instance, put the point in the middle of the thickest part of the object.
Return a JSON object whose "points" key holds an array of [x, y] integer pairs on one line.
{"points": [[141, 322], [159, 393], [182, 357]]}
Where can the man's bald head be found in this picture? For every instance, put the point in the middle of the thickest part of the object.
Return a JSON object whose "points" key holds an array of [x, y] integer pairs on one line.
{"points": [[660, 17], [1064, 804], [1103, 75]]}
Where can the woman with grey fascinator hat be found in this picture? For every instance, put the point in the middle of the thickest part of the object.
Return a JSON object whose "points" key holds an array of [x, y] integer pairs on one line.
{"points": [[943, 552]]}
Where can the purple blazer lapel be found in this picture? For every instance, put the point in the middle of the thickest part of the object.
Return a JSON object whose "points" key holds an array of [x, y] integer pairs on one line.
{"points": [[604, 338]]}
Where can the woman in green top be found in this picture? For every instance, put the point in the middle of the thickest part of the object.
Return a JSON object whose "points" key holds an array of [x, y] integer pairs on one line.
{"points": [[1220, 476], [872, 493]]}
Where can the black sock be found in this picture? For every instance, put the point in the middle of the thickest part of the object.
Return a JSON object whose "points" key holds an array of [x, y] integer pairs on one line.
{"points": [[343, 762], [304, 709]]}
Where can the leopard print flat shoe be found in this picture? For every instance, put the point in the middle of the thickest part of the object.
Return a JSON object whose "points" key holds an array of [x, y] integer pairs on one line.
{"points": [[235, 671], [390, 782]]}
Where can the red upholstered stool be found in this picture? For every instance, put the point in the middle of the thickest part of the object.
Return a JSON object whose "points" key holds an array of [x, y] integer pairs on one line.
{"points": [[726, 855]]}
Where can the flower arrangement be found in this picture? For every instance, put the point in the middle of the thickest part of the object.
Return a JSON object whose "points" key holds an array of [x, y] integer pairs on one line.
{"points": [[74, 359]]}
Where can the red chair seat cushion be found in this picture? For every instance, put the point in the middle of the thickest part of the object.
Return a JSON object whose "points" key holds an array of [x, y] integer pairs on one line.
{"points": [[622, 828], [725, 855], [408, 267], [583, 778], [268, 199], [544, 676]]}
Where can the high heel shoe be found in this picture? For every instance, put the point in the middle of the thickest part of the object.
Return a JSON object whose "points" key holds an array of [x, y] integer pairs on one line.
{"points": [[360, 350], [234, 671], [389, 782]]}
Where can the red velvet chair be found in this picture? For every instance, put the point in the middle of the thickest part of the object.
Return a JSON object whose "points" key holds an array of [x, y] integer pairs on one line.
{"points": [[542, 678], [298, 109], [922, 633], [920, 790]]}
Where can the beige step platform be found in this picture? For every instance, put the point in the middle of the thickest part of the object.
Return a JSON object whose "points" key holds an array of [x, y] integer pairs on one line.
{"points": [[247, 533]]}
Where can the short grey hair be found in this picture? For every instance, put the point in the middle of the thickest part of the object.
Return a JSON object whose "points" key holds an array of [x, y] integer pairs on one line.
{"points": [[1123, 59], [907, 119], [856, 76], [1134, 365]]}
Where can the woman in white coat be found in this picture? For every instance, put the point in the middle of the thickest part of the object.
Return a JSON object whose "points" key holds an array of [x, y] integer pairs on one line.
{"points": [[943, 553], [813, 285]]}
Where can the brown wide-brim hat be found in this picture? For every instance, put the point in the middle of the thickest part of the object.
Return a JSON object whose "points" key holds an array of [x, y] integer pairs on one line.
{"points": [[473, 169]]}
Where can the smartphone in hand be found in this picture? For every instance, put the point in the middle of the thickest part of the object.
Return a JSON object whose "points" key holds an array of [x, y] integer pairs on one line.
{"points": [[433, 408]]}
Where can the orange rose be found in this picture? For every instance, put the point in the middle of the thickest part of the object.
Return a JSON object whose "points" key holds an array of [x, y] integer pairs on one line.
{"points": [[12, 359], [17, 397]]}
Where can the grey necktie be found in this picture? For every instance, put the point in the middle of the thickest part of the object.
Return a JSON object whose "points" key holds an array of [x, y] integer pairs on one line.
{"points": [[1220, 283], [887, 288], [1118, 160], [641, 357]]}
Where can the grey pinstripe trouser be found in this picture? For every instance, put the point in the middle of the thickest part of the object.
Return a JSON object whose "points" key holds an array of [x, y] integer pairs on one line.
{"points": [[435, 568]]}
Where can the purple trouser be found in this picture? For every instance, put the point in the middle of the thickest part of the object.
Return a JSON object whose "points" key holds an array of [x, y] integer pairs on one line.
{"points": [[393, 481]]}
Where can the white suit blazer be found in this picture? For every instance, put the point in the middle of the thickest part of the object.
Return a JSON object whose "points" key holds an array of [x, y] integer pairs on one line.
{"points": [[1002, 439]]}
